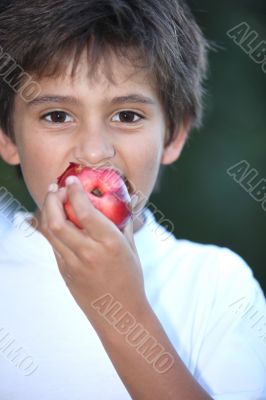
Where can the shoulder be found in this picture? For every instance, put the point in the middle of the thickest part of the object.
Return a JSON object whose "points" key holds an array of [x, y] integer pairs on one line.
{"points": [[219, 266], [225, 320], [214, 280], [206, 263], [21, 243], [210, 266], [232, 357], [213, 310]]}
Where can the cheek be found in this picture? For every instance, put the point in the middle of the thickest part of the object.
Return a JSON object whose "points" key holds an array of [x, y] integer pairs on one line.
{"points": [[37, 169], [37, 181], [145, 165]]}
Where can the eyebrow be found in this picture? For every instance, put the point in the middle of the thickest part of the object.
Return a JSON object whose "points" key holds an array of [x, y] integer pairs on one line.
{"points": [[53, 99], [131, 98]]}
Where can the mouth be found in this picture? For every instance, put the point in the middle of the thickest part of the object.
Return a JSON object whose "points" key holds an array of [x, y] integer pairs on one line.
{"points": [[128, 185], [127, 182], [125, 179]]}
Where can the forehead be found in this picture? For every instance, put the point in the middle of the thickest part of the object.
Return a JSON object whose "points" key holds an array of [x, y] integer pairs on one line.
{"points": [[114, 81], [111, 71]]}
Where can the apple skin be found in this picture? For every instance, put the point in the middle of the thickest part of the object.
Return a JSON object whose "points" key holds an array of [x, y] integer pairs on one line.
{"points": [[106, 190]]}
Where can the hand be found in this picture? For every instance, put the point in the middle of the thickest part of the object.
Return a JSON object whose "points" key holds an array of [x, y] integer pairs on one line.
{"points": [[97, 259], [100, 260]]}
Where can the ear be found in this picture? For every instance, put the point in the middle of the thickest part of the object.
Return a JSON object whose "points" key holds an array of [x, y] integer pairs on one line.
{"points": [[8, 150], [173, 149]]}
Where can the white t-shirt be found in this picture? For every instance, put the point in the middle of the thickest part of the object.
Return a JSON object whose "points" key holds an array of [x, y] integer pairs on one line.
{"points": [[206, 298], [4, 223]]}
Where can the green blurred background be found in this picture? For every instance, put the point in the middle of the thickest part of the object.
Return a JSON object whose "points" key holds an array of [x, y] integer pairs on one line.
{"points": [[196, 193]]}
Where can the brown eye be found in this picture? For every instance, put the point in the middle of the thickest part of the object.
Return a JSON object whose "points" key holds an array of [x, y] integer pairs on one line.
{"points": [[127, 117], [57, 117]]}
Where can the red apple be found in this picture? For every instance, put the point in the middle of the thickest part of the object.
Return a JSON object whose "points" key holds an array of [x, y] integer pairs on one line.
{"points": [[106, 189]]}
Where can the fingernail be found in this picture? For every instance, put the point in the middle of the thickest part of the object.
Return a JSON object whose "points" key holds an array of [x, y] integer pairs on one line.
{"points": [[70, 180], [53, 188]]}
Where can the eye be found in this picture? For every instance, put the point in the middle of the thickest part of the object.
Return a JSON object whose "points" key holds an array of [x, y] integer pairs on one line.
{"points": [[57, 117], [127, 117]]}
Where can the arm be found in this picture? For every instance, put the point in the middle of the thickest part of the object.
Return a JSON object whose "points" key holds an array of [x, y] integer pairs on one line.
{"points": [[102, 270]]}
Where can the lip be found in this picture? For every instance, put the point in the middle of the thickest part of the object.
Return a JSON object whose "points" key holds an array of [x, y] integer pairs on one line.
{"points": [[128, 185], [115, 169], [123, 176], [125, 179]]}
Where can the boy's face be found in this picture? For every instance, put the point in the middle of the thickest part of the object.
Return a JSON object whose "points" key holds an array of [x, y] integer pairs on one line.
{"points": [[93, 122]]}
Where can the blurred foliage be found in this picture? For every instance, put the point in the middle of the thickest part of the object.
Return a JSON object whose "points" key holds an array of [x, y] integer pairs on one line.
{"points": [[205, 204], [196, 193]]}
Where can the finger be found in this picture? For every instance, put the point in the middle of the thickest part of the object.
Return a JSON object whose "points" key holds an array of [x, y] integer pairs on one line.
{"points": [[92, 220], [66, 260], [63, 230], [53, 219], [60, 197]]}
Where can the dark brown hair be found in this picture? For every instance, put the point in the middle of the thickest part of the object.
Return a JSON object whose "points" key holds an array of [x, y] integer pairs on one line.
{"points": [[39, 37]]}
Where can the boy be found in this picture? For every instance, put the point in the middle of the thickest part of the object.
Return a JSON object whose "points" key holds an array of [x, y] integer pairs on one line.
{"points": [[117, 83]]}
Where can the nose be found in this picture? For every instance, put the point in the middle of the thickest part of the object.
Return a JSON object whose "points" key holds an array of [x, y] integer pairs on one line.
{"points": [[94, 148]]}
